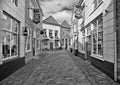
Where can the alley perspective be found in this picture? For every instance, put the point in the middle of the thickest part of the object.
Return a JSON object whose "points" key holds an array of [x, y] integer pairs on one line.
{"points": [[58, 68], [59, 42]]}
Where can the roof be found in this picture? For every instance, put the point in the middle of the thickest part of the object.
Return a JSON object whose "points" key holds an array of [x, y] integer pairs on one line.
{"points": [[65, 24], [50, 20]]}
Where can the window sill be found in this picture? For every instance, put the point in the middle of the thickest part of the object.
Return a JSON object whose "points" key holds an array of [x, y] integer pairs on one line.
{"points": [[27, 51], [97, 56], [96, 8], [9, 59]]}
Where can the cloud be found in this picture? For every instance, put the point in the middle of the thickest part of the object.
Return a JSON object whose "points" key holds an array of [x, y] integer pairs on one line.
{"points": [[63, 15], [60, 9]]}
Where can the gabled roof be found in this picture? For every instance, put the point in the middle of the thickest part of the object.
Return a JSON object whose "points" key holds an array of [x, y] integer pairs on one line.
{"points": [[65, 24], [50, 20]]}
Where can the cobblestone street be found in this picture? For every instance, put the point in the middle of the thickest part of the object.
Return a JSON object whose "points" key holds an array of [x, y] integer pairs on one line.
{"points": [[58, 68]]}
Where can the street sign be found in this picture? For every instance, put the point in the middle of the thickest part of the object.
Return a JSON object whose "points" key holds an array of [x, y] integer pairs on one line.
{"points": [[36, 16]]}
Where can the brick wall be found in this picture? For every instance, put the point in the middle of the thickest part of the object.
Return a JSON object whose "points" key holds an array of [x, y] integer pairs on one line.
{"points": [[118, 34]]}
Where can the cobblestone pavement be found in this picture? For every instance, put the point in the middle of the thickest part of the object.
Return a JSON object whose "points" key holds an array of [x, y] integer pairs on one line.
{"points": [[95, 76], [58, 68]]}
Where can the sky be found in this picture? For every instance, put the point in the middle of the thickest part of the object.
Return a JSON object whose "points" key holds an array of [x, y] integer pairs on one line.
{"points": [[60, 9]]}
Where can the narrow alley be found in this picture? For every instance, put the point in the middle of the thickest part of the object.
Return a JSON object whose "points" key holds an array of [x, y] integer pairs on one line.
{"points": [[58, 68]]}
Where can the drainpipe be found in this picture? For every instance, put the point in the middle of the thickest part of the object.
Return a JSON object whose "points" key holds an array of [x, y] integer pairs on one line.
{"points": [[115, 45]]}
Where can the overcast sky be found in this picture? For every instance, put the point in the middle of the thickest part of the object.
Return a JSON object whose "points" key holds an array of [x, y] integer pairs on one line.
{"points": [[60, 9]]}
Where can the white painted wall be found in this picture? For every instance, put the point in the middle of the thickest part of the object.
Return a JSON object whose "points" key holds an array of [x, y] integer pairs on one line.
{"points": [[17, 12], [52, 27]]}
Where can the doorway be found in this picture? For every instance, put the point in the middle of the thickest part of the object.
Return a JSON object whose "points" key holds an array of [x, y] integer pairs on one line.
{"points": [[51, 45]]}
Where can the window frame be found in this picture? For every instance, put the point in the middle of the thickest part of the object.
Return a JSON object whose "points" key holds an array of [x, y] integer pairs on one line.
{"points": [[97, 55], [11, 32], [30, 37]]}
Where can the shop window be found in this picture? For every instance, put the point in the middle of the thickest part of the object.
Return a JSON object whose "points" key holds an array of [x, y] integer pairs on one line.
{"points": [[10, 37], [97, 38], [28, 40]]}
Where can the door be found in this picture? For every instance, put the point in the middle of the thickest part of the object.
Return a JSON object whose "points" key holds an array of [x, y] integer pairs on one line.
{"points": [[51, 45], [33, 46]]}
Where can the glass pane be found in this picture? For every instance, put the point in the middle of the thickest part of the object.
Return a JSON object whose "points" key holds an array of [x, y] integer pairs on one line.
{"points": [[6, 22], [28, 44], [14, 26], [100, 43], [6, 45], [14, 45], [94, 49]]}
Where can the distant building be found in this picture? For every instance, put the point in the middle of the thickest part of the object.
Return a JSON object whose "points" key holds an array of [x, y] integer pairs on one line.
{"points": [[12, 52], [51, 37], [99, 28], [33, 40], [65, 30]]}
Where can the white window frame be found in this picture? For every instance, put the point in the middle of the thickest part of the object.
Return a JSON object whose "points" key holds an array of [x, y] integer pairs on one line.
{"points": [[4, 15], [31, 10], [29, 35], [92, 54]]}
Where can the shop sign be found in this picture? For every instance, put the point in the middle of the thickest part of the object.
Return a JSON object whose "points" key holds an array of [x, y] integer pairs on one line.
{"points": [[78, 13], [36, 16]]}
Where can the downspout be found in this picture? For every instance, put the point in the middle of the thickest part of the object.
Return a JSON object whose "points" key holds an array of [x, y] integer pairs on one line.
{"points": [[115, 45]]}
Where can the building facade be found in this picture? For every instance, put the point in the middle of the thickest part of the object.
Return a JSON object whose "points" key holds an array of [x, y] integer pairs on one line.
{"points": [[33, 40], [65, 30], [12, 53], [51, 37], [99, 26]]}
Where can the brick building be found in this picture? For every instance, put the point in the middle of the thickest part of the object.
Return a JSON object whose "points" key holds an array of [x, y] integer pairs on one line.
{"points": [[99, 27]]}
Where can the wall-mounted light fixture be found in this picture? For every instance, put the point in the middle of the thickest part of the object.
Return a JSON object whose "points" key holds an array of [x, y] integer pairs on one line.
{"points": [[25, 31]]}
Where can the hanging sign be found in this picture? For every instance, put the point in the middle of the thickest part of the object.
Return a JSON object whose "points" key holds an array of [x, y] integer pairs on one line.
{"points": [[36, 16], [78, 13]]}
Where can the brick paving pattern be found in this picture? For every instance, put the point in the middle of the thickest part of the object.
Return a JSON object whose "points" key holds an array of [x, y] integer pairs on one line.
{"points": [[58, 68]]}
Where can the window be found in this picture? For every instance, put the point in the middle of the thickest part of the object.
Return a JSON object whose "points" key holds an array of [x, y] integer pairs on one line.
{"points": [[10, 37], [15, 1], [88, 30], [45, 35], [50, 34], [97, 36], [96, 3], [28, 40], [62, 42], [30, 10], [56, 33]]}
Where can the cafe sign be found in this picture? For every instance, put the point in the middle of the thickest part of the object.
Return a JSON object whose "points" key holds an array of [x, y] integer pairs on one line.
{"points": [[78, 13], [36, 16]]}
